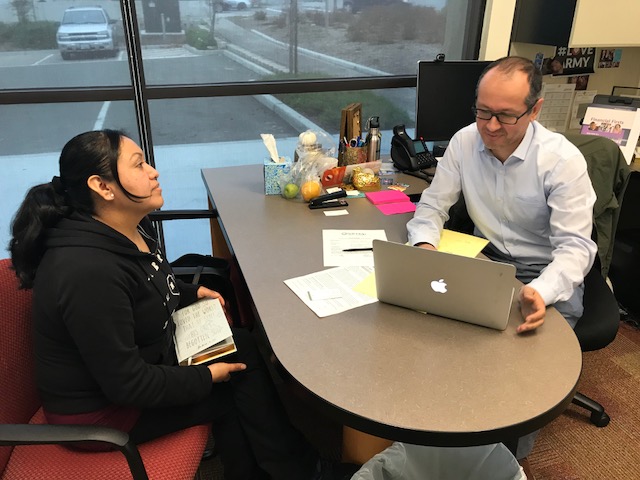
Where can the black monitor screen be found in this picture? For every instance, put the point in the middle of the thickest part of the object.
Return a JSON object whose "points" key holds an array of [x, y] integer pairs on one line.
{"points": [[445, 94]]}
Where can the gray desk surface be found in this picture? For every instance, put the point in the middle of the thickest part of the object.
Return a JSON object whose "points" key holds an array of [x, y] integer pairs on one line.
{"points": [[386, 370]]}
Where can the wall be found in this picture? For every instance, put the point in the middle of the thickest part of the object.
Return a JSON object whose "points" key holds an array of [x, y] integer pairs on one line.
{"points": [[610, 23], [496, 30], [496, 39]]}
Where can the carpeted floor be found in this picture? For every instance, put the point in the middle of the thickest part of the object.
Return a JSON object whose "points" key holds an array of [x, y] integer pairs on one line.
{"points": [[571, 447]]}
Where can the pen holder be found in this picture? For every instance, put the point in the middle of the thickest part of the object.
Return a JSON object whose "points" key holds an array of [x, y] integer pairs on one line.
{"points": [[353, 156]]}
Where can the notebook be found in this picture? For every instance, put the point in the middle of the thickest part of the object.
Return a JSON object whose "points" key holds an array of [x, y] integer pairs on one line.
{"points": [[472, 290]]}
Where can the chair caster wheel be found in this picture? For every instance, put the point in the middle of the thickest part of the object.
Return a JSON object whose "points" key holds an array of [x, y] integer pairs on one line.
{"points": [[600, 419]]}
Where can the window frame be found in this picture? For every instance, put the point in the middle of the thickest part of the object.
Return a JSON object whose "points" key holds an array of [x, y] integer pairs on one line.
{"points": [[141, 94]]}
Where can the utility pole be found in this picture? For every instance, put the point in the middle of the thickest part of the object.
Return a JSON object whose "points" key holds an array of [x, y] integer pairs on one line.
{"points": [[293, 37]]}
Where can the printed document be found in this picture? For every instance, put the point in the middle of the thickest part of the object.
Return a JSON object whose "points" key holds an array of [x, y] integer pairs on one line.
{"points": [[339, 281], [335, 242]]}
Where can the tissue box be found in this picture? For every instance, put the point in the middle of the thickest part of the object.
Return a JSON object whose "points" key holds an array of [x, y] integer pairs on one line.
{"points": [[272, 174]]}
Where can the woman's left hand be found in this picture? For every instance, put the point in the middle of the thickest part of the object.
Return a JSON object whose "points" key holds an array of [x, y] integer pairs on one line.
{"points": [[204, 292]]}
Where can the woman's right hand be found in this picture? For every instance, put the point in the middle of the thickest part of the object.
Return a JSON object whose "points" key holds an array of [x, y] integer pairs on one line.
{"points": [[221, 372]]}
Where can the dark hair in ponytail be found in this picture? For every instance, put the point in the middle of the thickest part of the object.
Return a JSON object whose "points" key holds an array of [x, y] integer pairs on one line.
{"points": [[87, 154]]}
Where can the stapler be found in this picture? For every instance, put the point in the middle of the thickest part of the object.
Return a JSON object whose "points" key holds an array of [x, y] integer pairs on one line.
{"points": [[330, 200]]}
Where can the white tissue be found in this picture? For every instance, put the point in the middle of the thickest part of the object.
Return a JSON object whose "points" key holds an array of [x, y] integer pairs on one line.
{"points": [[270, 143]]}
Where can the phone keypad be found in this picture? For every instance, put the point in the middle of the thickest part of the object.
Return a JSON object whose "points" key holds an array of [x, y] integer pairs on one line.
{"points": [[426, 160]]}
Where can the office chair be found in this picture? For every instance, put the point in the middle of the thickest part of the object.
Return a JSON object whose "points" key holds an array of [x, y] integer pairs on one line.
{"points": [[29, 448], [625, 262], [596, 329], [599, 323], [609, 174]]}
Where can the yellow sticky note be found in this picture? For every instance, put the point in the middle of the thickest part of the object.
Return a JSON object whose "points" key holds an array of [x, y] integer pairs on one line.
{"points": [[368, 286], [461, 243]]}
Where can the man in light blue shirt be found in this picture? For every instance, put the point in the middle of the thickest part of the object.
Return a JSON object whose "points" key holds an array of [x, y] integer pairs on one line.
{"points": [[527, 191]]}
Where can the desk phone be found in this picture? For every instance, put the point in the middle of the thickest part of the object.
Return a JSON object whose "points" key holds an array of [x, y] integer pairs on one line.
{"points": [[410, 155]]}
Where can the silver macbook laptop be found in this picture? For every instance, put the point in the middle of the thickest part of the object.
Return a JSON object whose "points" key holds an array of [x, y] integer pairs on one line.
{"points": [[473, 290]]}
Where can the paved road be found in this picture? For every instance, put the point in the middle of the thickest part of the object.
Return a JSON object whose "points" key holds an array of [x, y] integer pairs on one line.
{"points": [[264, 48], [274, 55], [28, 129], [235, 119]]}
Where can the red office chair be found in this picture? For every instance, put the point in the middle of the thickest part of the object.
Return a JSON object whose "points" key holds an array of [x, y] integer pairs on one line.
{"points": [[31, 449]]}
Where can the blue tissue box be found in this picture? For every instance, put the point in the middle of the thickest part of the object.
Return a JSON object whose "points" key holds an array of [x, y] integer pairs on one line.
{"points": [[273, 172]]}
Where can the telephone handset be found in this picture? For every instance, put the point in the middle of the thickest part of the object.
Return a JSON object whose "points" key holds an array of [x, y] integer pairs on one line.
{"points": [[408, 154]]}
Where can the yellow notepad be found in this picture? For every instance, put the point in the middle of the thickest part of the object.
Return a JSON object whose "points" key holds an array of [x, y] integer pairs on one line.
{"points": [[461, 243]]}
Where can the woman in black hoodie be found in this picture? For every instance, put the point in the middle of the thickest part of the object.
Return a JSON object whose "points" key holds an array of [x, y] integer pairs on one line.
{"points": [[103, 295]]}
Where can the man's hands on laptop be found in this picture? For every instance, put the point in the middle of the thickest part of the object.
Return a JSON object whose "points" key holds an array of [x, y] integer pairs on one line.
{"points": [[532, 308]]}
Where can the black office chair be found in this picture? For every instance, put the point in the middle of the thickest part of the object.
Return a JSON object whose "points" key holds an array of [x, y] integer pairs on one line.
{"points": [[625, 262], [596, 329], [599, 324]]}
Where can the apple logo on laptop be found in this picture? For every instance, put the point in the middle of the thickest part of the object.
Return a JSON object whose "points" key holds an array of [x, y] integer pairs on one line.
{"points": [[439, 286]]}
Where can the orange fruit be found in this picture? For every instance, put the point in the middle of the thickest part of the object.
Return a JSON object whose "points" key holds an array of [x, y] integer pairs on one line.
{"points": [[310, 190]]}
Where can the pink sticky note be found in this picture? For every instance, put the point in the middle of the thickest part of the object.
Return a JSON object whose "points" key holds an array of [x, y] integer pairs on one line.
{"points": [[393, 208], [387, 196]]}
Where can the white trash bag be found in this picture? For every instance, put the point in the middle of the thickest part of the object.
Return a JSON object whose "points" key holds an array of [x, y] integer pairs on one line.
{"points": [[402, 461]]}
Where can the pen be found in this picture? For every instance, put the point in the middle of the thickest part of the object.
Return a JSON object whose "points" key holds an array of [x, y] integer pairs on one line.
{"points": [[357, 249]]}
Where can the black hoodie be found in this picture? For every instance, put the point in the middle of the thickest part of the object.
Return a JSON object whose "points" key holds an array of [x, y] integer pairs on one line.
{"points": [[102, 322]]}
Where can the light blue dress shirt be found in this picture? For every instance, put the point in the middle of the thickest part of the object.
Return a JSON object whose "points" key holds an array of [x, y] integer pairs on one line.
{"points": [[537, 207]]}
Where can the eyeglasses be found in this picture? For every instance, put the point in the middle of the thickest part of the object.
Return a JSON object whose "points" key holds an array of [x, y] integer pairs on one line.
{"points": [[504, 118]]}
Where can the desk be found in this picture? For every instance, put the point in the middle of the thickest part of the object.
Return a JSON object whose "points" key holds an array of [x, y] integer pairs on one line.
{"points": [[381, 369]]}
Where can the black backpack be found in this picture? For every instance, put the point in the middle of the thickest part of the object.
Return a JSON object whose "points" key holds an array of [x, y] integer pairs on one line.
{"points": [[210, 272]]}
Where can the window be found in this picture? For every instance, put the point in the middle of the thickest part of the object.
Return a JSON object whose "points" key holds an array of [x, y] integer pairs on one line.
{"points": [[197, 81]]}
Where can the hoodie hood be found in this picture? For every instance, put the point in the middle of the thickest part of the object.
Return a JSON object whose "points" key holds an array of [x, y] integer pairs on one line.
{"points": [[79, 230], [84, 231]]}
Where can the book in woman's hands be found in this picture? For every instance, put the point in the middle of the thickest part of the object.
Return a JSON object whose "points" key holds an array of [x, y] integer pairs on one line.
{"points": [[202, 332]]}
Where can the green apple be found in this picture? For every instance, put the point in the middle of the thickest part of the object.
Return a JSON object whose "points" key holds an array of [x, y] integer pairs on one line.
{"points": [[290, 190]]}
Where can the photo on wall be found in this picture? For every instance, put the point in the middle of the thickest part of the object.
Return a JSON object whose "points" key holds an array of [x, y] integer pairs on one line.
{"points": [[570, 62], [610, 58]]}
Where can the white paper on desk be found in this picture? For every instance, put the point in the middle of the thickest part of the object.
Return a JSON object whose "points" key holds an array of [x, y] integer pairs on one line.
{"points": [[339, 278], [335, 241]]}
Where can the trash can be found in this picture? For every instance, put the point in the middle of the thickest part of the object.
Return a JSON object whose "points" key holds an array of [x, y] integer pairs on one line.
{"points": [[402, 461]]}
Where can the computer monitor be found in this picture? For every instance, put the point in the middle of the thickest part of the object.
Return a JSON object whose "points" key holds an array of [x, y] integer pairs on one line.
{"points": [[444, 97]]}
